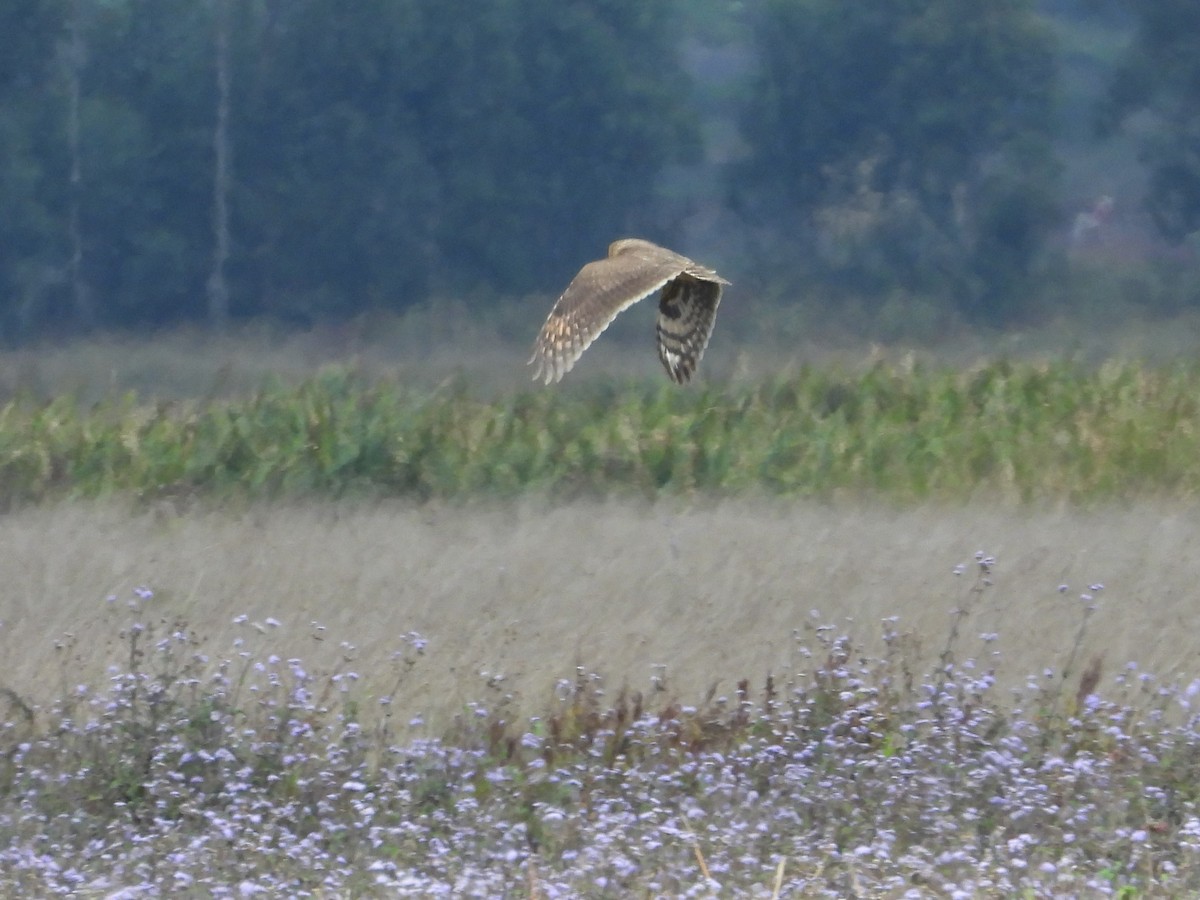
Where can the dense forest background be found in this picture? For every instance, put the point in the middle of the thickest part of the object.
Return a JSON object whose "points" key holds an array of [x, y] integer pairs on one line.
{"points": [[164, 161]]}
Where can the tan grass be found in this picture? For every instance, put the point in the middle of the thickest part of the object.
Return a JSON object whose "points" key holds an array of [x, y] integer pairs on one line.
{"points": [[517, 596], [778, 885]]}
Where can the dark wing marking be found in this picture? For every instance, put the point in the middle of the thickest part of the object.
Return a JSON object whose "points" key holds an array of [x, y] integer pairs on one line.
{"points": [[686, 313]]}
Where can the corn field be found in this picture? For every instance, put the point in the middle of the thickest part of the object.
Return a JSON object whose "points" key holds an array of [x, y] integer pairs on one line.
{"points": [[1015, 431]]}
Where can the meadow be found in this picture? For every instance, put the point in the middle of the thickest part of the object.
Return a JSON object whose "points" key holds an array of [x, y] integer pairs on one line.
{"points": [[894, 624]]}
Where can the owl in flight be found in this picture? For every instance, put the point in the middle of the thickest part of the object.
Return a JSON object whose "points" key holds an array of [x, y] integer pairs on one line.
{"points": [[633, 269]]}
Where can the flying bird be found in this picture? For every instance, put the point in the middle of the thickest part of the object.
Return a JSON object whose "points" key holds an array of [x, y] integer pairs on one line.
{"points": [[632, 270]]}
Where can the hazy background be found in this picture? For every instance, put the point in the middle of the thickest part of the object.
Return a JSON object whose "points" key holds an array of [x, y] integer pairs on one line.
{"points": [[892, 170], [198, 194]]}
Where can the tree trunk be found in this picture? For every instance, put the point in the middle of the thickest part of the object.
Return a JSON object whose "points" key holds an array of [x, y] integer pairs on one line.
{"points": [[218, 287], [85, 313]]}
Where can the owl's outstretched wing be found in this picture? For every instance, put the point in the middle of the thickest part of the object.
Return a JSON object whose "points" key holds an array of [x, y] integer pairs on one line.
{"points": [[633, 269]]}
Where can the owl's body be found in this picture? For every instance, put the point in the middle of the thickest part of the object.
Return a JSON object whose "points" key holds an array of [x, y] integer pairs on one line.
{"points": [[633, 269]]}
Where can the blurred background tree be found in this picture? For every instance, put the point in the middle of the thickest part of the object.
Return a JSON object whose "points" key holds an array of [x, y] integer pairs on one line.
{"points": [[33, 249], [379, 152], [392, 149], [384, 153], [149, 101], [907, 143], [1158, 81]]}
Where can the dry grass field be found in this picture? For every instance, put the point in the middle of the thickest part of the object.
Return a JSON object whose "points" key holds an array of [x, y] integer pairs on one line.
{"points": [[516, 596], [525, 593], [511, 598]]}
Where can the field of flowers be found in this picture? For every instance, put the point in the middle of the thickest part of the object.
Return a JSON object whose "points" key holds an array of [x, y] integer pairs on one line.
{"points": [[850, 775], [1017, 431]]}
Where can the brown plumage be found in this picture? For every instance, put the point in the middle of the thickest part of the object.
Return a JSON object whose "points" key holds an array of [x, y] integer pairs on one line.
{"points": [[632, 270]]}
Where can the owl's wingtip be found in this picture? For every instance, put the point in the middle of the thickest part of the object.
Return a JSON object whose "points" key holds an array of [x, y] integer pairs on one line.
{"points": [[543, 371]]}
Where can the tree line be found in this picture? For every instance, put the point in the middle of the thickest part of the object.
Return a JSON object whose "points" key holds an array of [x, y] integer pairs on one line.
{"points": [[167, 160]]}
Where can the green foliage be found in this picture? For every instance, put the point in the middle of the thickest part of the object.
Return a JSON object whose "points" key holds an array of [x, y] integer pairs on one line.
{"points": [[902, 135], [1022, 432]]}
